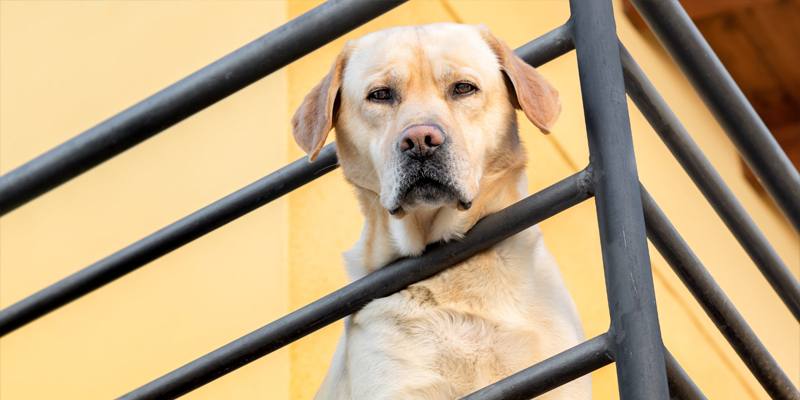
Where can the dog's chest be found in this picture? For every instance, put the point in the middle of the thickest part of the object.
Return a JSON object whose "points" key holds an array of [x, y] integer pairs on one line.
{"points": [[470, 325]]}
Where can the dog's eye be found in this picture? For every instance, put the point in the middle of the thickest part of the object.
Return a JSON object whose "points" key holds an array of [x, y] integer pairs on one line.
{"points": [[380, 95], [464, 88]]}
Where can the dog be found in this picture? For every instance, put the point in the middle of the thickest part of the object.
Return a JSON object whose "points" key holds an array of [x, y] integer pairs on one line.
{"points": [[426, 130]]}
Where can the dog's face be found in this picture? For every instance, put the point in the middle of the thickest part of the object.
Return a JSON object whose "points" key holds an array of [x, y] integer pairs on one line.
{"points": [[420, 111]]}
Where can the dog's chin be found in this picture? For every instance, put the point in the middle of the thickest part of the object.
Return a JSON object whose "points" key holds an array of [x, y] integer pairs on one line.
{"points": [[428, 193]]}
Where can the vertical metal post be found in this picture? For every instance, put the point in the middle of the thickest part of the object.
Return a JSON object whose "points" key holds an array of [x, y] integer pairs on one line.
{"points": [[635, 335]]}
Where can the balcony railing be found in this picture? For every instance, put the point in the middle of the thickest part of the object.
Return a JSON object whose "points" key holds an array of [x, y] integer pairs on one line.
{"points": [[645, 369]]}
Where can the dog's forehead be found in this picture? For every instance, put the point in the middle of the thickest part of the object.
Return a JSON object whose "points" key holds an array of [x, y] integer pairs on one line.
{"points": [[445, 44]]}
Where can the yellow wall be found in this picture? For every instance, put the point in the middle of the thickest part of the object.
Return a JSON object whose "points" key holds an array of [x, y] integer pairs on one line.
{"points": [[66, 66], [81, 62]]}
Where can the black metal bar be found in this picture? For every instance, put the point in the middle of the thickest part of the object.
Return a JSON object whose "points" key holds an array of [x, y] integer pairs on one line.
{"points": [[383, 282], [167, 239], [691, 158], [573, 363], [688, 48], [638, 348], [547, 47], [715, 303], [551, 373], [186, 97], [537, 51], [680, 384]]}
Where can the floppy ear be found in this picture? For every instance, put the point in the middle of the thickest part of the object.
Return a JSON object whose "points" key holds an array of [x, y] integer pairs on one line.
{"points": [[314, 119], [531, 92]]}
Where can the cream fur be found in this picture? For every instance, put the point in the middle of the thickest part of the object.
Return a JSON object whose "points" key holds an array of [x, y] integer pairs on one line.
{"points": [[484, 319]]}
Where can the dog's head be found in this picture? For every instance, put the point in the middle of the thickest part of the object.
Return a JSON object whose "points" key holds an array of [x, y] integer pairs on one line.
{"points": [[420, 111]]}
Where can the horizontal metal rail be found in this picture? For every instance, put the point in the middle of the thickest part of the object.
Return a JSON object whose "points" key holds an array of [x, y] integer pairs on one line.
{"points": [[715, 303], [167, 239], [551, 373], [548, 47], [383, 282], [538, 51], [186, 97], [571, 364], [678, 34], [680, 384], [706, 178]]}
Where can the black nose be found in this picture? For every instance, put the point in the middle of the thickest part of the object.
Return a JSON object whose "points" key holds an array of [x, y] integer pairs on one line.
{"points": [[421, 140]]}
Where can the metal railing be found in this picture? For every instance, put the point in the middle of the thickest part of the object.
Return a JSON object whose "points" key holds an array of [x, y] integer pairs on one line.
{"points": [[645, 369]]}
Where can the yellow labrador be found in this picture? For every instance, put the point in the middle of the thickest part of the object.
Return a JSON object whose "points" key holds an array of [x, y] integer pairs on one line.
{"points": [[427, 134]]}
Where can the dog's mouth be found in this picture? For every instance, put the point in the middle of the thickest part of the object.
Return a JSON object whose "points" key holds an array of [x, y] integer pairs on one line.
{"points": [[428, 190], [427, 187]]}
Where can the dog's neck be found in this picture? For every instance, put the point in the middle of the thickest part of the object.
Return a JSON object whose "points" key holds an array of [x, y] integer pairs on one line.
{"points": [[385, 238]]}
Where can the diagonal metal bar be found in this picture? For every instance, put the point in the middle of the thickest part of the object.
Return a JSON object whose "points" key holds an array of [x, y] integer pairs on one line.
{"points": [[547, 47], [551, 373], [167, 239], [724, 202], [572, 364], [680, 384], [538, 51], [715, 303], [638, 349], [758, 147], [383, 282], [186, 97]]}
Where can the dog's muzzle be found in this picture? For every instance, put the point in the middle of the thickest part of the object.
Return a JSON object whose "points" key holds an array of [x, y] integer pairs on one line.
{"points": [[424, 170]]}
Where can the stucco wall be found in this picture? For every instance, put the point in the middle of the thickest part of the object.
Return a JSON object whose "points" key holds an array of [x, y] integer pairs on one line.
{"points": [[65, 66]]}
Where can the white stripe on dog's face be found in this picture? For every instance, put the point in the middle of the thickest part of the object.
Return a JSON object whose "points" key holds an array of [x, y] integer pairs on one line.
{"points": [[442, 75]]}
